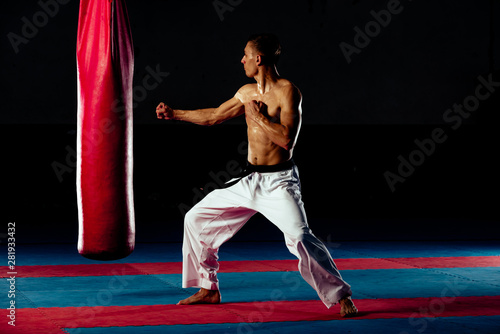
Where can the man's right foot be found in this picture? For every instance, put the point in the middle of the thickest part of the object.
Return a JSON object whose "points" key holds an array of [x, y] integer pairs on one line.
{"points": [[203, 296]]}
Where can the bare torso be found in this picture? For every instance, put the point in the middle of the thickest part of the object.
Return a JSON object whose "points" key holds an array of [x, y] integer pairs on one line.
{"points": [[261, 149]]}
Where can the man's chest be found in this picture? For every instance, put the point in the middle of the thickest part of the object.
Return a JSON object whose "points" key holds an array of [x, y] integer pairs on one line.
{"points": [[271, 107]]}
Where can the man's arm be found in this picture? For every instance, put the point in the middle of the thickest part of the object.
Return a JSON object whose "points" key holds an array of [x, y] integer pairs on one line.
{"points": [[284, 133], [208, 116]]}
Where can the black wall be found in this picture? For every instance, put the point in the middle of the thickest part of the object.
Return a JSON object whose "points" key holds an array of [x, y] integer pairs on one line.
{"points": [[417, 64], [359, 116]]}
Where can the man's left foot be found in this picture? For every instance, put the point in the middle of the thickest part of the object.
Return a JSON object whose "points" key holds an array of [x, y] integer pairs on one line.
{"points": [[203, 296], [347, 308]]}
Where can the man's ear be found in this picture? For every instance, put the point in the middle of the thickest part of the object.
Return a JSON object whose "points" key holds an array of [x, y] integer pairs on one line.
{"points": [[258, 60]]}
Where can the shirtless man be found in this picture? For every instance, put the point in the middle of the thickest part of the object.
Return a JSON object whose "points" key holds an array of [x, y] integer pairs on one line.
{"points": [[270, 184]]}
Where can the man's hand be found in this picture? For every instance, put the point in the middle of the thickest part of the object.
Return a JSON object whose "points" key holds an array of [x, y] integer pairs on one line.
{"points": [[255, 110], [164, 112]]}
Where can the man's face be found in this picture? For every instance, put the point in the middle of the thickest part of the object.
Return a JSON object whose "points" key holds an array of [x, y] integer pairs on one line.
{"points": [[249, 60]]}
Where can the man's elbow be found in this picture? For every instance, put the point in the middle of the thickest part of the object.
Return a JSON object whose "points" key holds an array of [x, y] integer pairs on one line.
{"points": [[213, 121], [287, 143]]}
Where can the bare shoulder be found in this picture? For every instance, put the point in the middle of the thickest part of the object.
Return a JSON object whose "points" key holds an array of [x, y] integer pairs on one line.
{"points": [[287, 90], [246, 92]]}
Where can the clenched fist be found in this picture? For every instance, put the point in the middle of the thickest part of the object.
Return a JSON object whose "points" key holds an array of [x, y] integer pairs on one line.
{"points": [[164, 112]]}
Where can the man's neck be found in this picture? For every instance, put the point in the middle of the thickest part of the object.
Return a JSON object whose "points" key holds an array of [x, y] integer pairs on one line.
{"points": [[266, 79]]}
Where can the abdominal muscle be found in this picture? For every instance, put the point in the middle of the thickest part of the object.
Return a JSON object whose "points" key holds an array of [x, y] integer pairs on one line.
{"points": [[261, 150]]}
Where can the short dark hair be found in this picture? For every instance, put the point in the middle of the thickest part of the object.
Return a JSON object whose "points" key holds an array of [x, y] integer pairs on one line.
{"points": [[268, 45]]}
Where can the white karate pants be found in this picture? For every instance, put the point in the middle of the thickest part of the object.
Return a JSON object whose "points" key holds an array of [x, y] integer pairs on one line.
{"points": [[277, 196]]}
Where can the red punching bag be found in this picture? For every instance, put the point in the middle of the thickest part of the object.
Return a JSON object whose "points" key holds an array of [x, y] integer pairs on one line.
{"points": [[105, 64]]}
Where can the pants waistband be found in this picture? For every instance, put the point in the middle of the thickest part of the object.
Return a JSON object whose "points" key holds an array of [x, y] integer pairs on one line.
{"points": [[249, 168]]}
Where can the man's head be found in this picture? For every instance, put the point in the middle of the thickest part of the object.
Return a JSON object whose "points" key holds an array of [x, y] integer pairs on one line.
{"points": [[261, 50]]}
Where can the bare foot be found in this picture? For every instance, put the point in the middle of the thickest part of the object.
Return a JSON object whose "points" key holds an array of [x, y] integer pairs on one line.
{"points": [[347, 308], [203, 296]]}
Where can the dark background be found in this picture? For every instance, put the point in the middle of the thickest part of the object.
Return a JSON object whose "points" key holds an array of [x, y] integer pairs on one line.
{"points": [[359, 116]]}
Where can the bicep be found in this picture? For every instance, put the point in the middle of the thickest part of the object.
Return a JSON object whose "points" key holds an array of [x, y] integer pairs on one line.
{"points": [[291, 110], [229, 109]]}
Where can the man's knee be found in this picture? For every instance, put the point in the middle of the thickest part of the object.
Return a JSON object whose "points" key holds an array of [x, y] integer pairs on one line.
{"points": [[298, 234], [197, 215]]}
